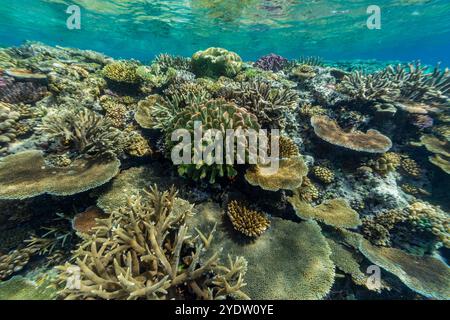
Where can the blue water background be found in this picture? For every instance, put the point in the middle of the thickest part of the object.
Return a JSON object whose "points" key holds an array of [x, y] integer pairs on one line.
{"points": [[334, 30]]}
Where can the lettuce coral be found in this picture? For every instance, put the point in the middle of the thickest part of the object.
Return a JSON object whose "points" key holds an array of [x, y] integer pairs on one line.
{"points": [[372, 141], [26, 174]]}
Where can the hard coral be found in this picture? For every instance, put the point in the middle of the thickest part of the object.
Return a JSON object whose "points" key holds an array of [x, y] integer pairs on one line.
{"points": [[271, 62], [372, 141], [121, 72], [323, 174], [26, 174], [144, 251], [411, 167], [12, 91], [216, 62], [249, 222], [288, 176]]}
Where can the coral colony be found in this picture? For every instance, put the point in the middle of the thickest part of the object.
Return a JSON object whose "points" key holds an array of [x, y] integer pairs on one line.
{"points": [[213, 178]]}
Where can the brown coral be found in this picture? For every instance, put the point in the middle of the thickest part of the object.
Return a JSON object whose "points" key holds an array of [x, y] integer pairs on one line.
{"points": [[372, 141], [411, 167], [249, 222], [323, 174]]}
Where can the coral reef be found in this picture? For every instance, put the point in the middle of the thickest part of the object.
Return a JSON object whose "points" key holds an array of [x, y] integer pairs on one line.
{"points": [[372, 141], [249, 222]]}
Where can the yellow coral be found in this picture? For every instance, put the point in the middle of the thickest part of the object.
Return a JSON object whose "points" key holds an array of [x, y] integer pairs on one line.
{"points": [[411, 167], [323, 174], [249, 222]]}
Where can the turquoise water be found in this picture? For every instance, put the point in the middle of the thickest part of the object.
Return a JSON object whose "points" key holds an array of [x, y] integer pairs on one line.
{"points": [[411, 29]]}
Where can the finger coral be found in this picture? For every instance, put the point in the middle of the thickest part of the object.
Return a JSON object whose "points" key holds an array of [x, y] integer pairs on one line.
{"points": [[288, 176], [216, 62], [249, 222], [26, 174], [372, 141], [145, 251]]}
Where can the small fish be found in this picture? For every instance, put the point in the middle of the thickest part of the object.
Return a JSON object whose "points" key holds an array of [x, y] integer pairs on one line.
{"points": [[340, 11]]}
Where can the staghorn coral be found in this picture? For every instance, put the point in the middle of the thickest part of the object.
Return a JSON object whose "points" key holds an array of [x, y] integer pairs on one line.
{"points": [[372, 141], [248, 222], [166, 61], [288, 176], [121, 72], [87, 133], [271, 62], [423, 274], [26, 174], [216, 62], [144, 251], [263, 100], [411, 167], [216, 114], [323, 174], [335, 212]]}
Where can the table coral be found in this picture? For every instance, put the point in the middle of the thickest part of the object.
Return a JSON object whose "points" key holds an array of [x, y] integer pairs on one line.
{"points": [[372, 141], [25, 175], [144, 251], [249, 222], [288, 176]]}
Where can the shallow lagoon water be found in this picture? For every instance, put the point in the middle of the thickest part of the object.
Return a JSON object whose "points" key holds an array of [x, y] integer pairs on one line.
{"points": [[358, 207]]}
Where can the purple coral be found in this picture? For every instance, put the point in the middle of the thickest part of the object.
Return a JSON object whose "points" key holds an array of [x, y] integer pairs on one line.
{"points": [[271, 62], [16, 92], [423, 121]]}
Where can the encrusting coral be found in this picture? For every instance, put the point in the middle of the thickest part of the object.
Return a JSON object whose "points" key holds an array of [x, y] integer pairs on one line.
{"points": [[249, 222], [26, 174], [372, 141], [145, 251]]}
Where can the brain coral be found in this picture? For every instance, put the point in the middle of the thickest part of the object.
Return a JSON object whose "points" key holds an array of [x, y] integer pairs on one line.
{"points": [[289, 175], [423, 274], [25, 175], [289, 261], [372, 141], [216, 62], [335, 212]]}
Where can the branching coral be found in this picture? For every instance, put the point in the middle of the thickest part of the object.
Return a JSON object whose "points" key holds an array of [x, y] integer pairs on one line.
{"points": [[266, 102], [85, 132], [323, 174], [21, 92], [166, 61], [249, 222], [216, 62], [288, 148], [372, 141], [26, 174], [288, 176], [145, 251], [411, 167]]}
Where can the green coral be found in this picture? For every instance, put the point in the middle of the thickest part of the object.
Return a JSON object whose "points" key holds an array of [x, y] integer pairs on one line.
{"points": [[214, 114], [216, 62]]}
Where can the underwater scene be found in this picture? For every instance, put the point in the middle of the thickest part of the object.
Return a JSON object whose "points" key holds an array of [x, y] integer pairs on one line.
{"points": [[224, 150]]}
